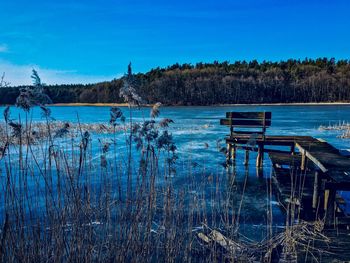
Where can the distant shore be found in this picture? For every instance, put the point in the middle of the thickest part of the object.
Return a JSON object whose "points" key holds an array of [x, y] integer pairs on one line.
{"points": [[290, 104], [91, 104], [214, 105]]}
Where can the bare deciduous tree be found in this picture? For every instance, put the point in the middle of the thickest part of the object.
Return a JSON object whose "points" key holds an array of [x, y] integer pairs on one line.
{"points": [[3, 83]]}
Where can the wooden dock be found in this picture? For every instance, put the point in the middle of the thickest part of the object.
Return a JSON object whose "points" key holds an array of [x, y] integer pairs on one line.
{"points": [[309, 172], [307, 177]]}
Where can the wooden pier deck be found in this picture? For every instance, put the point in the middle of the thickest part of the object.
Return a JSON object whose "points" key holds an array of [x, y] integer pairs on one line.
{"points": [[327, 158], [307, 177], [314, 173], [278, 140], [322, 168]]}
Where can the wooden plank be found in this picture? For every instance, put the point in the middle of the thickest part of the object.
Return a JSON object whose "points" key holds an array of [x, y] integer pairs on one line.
{"points": [[269, 140], [247, 148], [245, 123], [271, 151], [306, 153], [255, 149], [278, 137], [247, 132], [326, 157], [284, 158], [249, 115]]}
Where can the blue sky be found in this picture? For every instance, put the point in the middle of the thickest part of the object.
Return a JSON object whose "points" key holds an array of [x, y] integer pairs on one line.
{"points": [[86, 41]]}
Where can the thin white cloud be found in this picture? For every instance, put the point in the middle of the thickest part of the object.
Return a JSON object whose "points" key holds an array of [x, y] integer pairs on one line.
{"points": [[3, 48], [20, 75]]}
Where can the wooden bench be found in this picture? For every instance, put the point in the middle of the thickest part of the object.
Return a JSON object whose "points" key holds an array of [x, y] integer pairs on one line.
{"points": [[243, 125]]}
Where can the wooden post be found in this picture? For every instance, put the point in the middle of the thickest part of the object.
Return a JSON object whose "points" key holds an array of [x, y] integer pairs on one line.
{"points": [[316, 191], [303, 161], [260, 157], [233, 152], [259, 172], [329, 206], [326, 197], [246, 157], [228, 154], [292, 149]]}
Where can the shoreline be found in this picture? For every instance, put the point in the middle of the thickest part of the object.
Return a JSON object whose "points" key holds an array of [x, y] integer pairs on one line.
{"points": [[214, 105], [89, 104]]}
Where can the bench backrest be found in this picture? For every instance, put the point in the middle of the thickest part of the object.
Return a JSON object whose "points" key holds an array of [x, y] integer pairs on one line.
{"points": [[257, 120]]}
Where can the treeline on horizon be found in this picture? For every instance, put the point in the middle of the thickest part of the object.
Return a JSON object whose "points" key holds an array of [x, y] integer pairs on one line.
{"points": [[291, 81]]}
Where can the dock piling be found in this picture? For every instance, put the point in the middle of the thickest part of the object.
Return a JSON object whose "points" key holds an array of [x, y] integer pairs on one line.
{"points": [[233, 152], [228, 154], [246, 157], [260, 157], [303, 161], [329, 206], [315, 195]]}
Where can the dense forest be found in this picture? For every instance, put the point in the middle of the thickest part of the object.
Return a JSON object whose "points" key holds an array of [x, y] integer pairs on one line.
{"points": [[309, 80]]}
